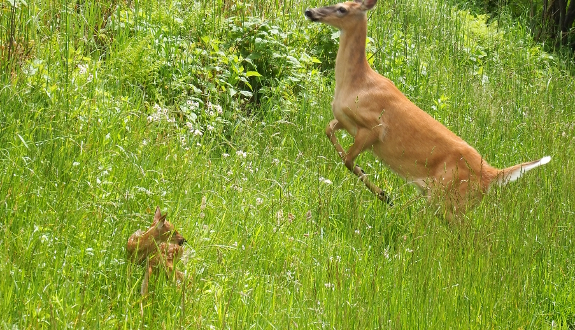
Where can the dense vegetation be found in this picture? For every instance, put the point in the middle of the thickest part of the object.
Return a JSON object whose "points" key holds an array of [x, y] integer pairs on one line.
{"points": [[214, 110], [550, 21]]}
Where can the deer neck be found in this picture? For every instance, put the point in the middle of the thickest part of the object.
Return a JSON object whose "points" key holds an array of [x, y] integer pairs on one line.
{"points": [[351, 63]]}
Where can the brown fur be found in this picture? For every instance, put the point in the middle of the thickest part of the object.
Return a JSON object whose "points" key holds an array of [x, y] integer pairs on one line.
{"points": [[165, 258], [381, 119], [158, 247]]}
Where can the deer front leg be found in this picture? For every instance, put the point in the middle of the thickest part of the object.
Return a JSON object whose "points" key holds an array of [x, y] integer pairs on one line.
{"points": [[147, 273], [330, 130], [362, 141], [348, 159]]}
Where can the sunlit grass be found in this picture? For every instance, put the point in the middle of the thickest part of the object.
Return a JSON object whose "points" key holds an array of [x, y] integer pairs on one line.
{"points": [[95, 135]]}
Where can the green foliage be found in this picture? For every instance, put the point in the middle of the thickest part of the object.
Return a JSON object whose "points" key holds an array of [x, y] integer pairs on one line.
{"points": [[549, 22], [215, 111], [265, 48], [250, 68], [16, 43], [324, 42]]}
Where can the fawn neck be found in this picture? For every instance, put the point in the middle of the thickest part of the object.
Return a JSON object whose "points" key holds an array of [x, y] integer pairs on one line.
{"points": [[351, 62]]}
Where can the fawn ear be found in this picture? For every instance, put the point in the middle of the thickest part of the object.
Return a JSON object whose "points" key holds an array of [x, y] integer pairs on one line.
{"points": [[160, 223], [157, 215], [159, 218], [367, 4]]}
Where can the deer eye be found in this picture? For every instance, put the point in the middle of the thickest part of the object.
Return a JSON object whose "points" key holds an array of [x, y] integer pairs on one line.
{"points": [[342, 10]]}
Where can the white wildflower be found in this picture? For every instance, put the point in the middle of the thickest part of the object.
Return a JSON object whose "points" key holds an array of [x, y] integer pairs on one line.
{"points": [[240, 153], [160, 114], [214, 107], [193, 105], [83, 68]]}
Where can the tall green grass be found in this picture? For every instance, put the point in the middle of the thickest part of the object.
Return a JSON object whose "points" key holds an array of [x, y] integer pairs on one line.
{"points": [[115, 108]]}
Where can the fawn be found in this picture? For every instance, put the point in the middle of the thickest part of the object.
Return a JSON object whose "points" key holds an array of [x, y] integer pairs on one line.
{"points": [[408, 140], [159, 246]]}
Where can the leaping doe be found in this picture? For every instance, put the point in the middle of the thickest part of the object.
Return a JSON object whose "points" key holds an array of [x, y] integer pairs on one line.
{"points": [[408, 140]]}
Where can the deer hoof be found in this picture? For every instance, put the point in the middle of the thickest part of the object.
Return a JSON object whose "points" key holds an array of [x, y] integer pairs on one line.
{"points": [[384, 197]]}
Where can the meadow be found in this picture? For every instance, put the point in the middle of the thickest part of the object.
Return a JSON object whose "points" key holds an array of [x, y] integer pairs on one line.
{"points": [[215, 111]]}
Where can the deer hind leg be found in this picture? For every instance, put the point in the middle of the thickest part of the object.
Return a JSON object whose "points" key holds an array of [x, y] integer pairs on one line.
{"points": [[362, 141], [174, 274]]}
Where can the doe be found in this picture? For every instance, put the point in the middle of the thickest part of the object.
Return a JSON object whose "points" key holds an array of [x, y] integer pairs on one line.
{"points": [[407, 139]]}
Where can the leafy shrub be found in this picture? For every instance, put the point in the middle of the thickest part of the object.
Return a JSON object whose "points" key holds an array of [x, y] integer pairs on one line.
{"points": [[277, 56], [324, 42]]}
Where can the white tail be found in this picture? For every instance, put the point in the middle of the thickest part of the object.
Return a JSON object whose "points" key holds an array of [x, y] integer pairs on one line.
{"points": [[513, 173], [381, 119]]}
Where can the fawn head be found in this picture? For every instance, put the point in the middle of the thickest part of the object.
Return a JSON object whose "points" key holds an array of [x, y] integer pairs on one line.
{"points": [[164, 231], [342, 14]]}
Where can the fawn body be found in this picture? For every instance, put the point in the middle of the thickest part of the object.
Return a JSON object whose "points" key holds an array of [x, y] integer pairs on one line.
{"points": [[160, 246], [407, 139]]}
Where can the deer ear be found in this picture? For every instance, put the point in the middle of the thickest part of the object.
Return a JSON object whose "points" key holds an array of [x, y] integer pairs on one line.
{"points": [[160, 222], [157, 215], [367, 4]]}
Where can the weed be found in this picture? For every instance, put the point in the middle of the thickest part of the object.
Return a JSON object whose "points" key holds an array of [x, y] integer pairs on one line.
{"points": [[215, 110]]}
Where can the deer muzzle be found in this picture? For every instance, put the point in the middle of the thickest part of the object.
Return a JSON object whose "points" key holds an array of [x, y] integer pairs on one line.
{"points": [[309, 13]]}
